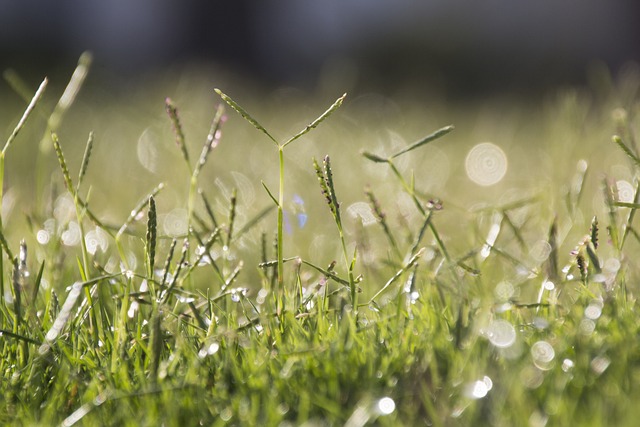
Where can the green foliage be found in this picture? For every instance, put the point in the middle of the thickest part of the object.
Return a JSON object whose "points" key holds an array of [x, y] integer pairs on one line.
{"points": [[520, 310]]}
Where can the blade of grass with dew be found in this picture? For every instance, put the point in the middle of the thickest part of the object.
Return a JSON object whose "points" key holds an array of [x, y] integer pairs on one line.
{"points": [[399, 273]]}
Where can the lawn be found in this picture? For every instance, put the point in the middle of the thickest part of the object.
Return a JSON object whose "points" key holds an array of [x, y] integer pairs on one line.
{"points": [[178, 254]]}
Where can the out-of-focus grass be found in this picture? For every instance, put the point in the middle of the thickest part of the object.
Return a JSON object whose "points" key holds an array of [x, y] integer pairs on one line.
{"points": [[509, 309]]}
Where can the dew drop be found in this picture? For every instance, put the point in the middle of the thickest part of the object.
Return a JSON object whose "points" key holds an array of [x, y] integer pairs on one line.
{"points": [[543, 354], [501, 333], [386, 406], [593, 310], [587, 326], [600, 364], [567, 365], [43, 236]]}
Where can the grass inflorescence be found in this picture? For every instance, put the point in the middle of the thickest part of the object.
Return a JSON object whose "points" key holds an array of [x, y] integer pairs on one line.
{"points": [[200, 305]]}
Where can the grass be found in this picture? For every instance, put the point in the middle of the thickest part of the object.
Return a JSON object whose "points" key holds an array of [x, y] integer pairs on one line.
{"points": [[163, 290]]}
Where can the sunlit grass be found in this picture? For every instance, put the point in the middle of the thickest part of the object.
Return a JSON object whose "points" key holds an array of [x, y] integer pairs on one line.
{"points": [[403, 273]]}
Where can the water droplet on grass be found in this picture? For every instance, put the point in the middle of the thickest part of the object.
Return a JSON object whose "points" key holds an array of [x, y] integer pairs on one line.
{"points": [[600, 364], [386, 406], [543, 354], [567, 365], [71, 236], [43, 236], [587, 326], [208, 350], [486, 164], [593, 310], [501, 333]]}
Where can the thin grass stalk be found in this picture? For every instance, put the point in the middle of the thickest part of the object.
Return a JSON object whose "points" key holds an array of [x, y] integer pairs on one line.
{"points": [[232, 216], [85, 160], [79, 217], [152, 227], [172, 112], [280, 287], [26, 114]]}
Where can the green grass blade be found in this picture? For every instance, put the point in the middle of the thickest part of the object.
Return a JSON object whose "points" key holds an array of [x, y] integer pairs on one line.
{"points": [[172, 112], [270, 193], [618, 141], [252, 222], [27, 114], [152, 228], [136, 210], [374, 157], [67, 99], [245, 115], [427, 139], [85, 160], [317, 121], [63, 164]]}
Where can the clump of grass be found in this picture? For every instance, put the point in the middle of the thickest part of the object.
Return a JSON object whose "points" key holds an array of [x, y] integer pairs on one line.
{"points": [[491, 320]]}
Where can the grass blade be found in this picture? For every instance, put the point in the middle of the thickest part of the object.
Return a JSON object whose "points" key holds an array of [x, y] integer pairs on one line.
{"points": [[63, 164], [151, 236], [85, 160], [26, 114], [68, 97], [618, 141], [245, 115], [427, 139], [317, 121], [172, 111], [270, 193]]}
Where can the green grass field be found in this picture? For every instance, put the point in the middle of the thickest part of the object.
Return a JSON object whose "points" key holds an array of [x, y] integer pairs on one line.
{"points": [[175, 255]]}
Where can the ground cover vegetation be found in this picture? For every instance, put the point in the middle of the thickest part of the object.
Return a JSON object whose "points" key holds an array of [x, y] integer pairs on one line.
{"points": [[369, 265]]}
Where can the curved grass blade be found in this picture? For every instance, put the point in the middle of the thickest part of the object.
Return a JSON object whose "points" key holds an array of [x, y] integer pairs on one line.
{"points": [[244, 114], [316, 122], [618, 141]]}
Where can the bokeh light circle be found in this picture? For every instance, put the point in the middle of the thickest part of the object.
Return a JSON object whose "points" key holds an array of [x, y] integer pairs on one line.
{"points": [[486, 164]]}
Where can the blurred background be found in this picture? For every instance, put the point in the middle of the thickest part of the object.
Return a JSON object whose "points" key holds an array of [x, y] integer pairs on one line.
{"points": [[535, 90], [459, 49]]}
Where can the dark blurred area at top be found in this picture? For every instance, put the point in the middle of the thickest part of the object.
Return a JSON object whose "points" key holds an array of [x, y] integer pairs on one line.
{"points": [[461, 48]]}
